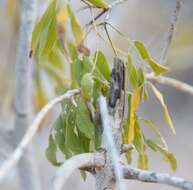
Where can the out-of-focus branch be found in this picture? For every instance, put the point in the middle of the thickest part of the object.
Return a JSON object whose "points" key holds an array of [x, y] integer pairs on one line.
{"points": [[153, 177], [171, 31], [19, 151], [85, 160], [27, 167], [171, 82]]}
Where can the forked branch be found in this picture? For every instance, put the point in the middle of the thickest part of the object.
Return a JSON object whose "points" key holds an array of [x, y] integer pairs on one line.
{"points": [[86, 160]]}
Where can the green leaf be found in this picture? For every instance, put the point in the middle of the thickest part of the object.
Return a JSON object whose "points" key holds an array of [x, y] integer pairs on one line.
{"points": [[140, 147], [75, 26], [143, 161], [167, 155], [142, 50], [51, 152], [72, 51], [141, 77], [56, 58], [102, 64], [132, 73], [83, 121], [156, 130], [59, 129], [157, 68], [76, 72], [87, 85], [41, 31], [99, 3], [51, 39]]}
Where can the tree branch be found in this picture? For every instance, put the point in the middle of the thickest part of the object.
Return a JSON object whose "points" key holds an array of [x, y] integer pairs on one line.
{"points": [[19, 151], [153, 177], [76, 162], [171, 82], [171, 30], [110, 144]]}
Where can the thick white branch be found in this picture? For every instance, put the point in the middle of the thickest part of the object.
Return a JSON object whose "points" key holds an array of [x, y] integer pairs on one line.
{"points": [[19, 151], [171, 82], [111, 147], [76, 162], [153, 177]]}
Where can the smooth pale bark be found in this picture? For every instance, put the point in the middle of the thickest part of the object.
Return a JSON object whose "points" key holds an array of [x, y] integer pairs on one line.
{"points": [[27, 167]]}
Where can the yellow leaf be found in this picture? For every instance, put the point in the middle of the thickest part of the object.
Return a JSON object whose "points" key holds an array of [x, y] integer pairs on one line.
{"points": [[135, 100], [63, 15], [166, 112], [39, 98]]}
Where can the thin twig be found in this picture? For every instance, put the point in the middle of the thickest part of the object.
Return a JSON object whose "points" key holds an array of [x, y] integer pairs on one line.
{"points": [[171, 31], [115, 3], [153, 177], [19, 151], [76, 162], [171, 82], [111, 148]]}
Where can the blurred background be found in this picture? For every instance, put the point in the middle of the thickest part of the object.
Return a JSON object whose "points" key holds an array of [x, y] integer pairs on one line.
{"points": [[146, 20]]}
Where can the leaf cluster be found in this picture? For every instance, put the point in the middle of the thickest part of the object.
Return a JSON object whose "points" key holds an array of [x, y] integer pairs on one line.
{"points": [[77, 128]]}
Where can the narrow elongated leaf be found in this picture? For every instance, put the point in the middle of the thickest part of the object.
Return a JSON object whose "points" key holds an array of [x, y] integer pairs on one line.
{"points": [[143, 161], [157, 68], [51, 38], [72, 140], [135, 100], [75, 26], [51, 152], [102, 64], [59, 128], [140, 147], [40, 33], [83, 121], [156, 130], [166, 112], [132, 73], [142, 50], [99, 3], [76, 72], [167, 155]]}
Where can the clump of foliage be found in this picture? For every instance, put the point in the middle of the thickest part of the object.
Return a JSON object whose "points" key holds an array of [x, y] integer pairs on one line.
{"points": [[77, 128]]}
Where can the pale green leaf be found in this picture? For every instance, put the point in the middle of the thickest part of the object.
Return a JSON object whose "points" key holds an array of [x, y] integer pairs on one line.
{"points": [[51, 151], [87, 85], [166, 112], [102, 64], [142, 50], [170, 158]]}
